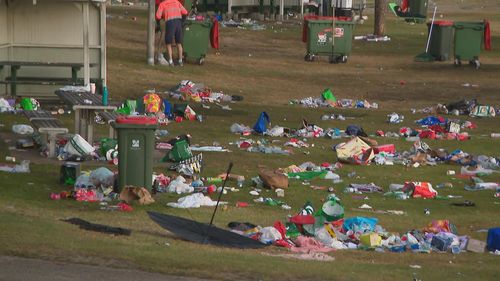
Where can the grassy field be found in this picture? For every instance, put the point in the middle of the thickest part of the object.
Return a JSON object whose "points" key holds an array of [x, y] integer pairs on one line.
{"points": [[267, 68]]}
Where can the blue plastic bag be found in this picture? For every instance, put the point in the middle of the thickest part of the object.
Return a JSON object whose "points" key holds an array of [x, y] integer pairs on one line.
{"points": [[360, 224], [262, 123], [168, 109], [493, 240], [432, 120]]}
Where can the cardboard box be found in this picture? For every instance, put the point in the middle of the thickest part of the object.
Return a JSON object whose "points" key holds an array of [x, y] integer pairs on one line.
{"points": [[476, 246]]}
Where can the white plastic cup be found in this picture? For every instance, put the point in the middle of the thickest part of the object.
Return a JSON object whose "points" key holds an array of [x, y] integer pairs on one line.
{"points": [[92, 88], [280, 192]]}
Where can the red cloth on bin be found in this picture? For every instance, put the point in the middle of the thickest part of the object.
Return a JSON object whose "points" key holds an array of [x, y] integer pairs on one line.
{"points": [[302, 219], [404, 5], [214, 34], [280, 227], [487, 35]]}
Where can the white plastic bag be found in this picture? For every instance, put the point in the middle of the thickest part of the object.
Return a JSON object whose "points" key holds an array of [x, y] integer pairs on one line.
{"points": [[22, 129]]}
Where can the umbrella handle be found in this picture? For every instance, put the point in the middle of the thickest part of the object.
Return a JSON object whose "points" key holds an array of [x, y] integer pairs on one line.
{"points": [[430, 30], [218, 200]]}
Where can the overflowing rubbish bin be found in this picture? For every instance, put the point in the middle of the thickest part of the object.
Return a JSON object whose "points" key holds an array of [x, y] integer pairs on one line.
{"points": [[196, 40], [441, 41], [411, 10], [468, 40], [135, 150], [329, 37]]}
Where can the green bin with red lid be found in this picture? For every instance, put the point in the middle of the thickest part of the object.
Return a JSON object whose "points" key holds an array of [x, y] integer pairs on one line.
{"points": [[441, 42], [469, 38], [136, 142]]}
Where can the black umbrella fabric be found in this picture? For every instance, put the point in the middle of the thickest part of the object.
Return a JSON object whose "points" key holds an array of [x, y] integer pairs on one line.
{"points": [[203, 233]]}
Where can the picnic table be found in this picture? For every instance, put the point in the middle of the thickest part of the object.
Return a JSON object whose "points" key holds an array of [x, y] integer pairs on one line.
{"points": [[84, 104], [14, 79], [48, 126]]}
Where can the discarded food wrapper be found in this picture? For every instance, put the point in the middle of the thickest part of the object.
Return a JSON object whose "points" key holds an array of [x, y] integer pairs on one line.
{"points": [[280, 192]]}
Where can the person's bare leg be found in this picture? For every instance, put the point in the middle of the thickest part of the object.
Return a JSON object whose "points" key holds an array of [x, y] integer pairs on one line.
{"points": [[160, 49], [169, 51], [180, 52]]}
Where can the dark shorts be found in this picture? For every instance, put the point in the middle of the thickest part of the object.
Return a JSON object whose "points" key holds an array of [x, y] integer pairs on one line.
{"points": [[173, 31]]}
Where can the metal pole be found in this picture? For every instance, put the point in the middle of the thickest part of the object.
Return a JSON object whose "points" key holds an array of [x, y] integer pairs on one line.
{"points": [[218, 199], [151, 33], [103, 45], [430, 30], [86, 59], [333, 26], [301, 8], [282, 9]]}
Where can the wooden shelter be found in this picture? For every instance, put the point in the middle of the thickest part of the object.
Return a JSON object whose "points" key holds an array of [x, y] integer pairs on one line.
{"points": [[46, 43]]}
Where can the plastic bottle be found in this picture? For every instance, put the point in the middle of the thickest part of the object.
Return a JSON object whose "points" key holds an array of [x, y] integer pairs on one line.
{"points": [[495, 135], [240, 182], [213, 180], [104, 95], [395, 187]]}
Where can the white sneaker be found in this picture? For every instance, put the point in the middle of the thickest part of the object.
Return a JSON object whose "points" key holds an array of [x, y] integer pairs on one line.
{"points": [[171, 63], [161, 60]]}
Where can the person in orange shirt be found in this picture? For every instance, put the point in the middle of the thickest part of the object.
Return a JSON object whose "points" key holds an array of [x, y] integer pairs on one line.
{"points": [[172, 11]]}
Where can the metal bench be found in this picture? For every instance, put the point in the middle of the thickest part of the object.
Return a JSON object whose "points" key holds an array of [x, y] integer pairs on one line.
{"points": [[38, 114], [48, 126], [109, 117]]}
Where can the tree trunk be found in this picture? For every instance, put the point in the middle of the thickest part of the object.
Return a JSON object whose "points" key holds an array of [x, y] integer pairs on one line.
{"points": [[380, 12]]}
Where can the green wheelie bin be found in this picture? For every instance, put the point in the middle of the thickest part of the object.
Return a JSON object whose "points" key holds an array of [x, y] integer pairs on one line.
{"points": [[468, 40], [136, 142], [441, 42], [196, 40], [320, 41]]}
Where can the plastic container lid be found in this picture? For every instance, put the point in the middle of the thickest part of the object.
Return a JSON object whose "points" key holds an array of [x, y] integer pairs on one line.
{"points": [[442, 23], [138, 120]]}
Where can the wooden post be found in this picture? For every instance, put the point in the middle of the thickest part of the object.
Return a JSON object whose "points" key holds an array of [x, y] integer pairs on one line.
{"points": [[86, 57], [151, 33], [380, 11]]}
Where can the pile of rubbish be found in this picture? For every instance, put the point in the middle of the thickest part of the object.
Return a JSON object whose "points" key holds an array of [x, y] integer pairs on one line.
{"points": [[328, 99], [364, 151], [462, 107], [327, 230], [197, 92], [244, 24], [99, 185], [306, 130], [151, 104]]}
